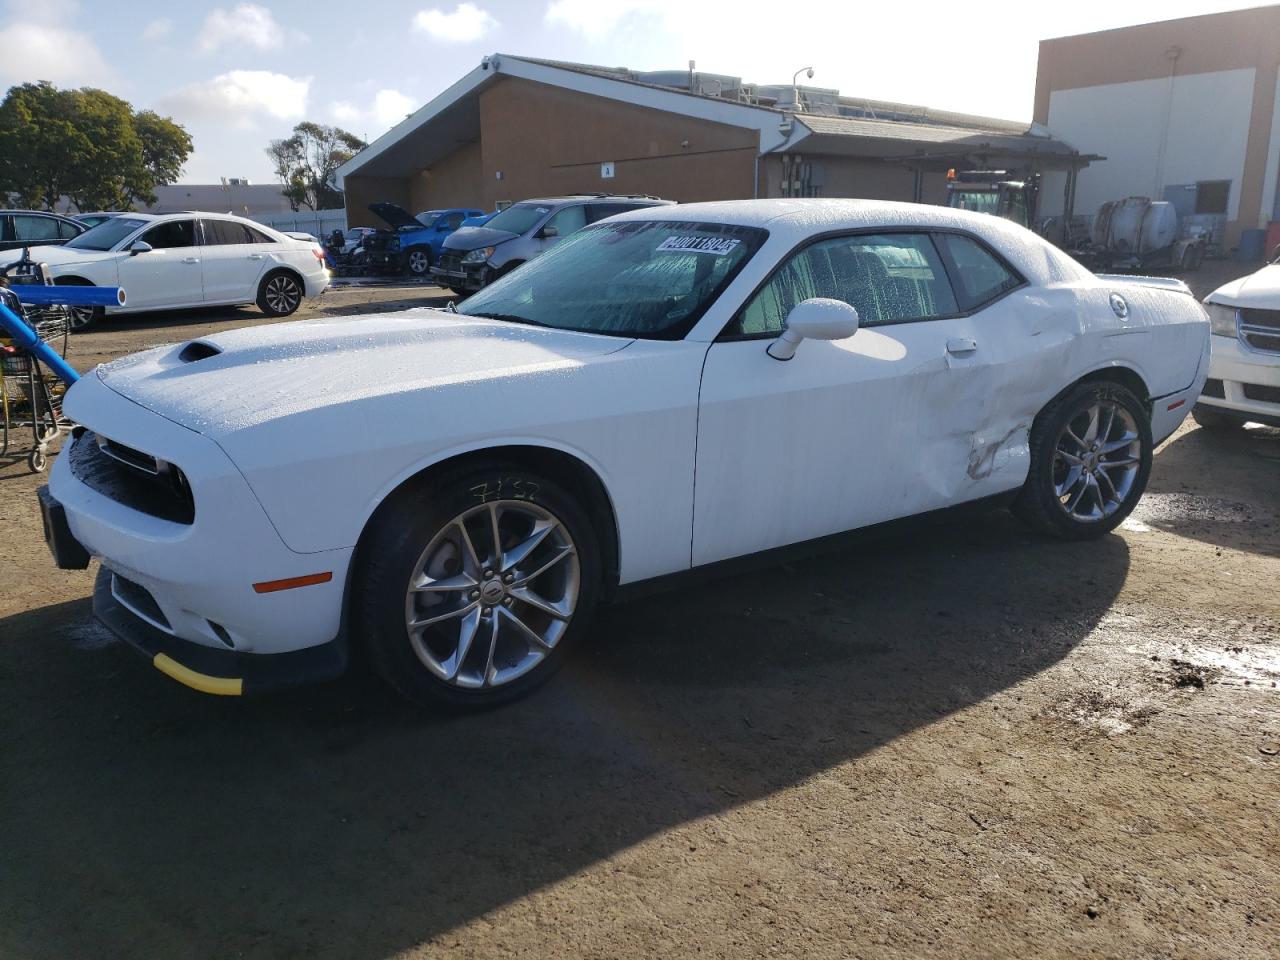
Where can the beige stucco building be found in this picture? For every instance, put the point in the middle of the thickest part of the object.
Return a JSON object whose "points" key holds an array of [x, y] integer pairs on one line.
{"points": [[1184, 110], [516, 127]]}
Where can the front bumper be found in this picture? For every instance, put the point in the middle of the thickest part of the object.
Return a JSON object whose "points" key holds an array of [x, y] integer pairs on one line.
{"points": [[461, 278], [219, 672], [199, 575], [1250, 382]]}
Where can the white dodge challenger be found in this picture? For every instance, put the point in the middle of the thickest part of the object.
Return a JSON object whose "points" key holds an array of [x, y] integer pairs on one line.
{"points": [[666, 389]]}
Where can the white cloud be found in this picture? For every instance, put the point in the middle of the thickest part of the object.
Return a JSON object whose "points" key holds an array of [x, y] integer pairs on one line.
{"points": [[240, 97], [466, 24], [245, 24], [390, 107], [45, 51], [594, 19], [157, 29], [387, 108]]}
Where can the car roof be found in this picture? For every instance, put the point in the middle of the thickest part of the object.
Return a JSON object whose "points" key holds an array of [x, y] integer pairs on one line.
{"points": [[795, 220], [596, 198], [40, 213]]}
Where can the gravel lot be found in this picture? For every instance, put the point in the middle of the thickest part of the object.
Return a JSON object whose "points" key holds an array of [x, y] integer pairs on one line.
{"points": [[958, 743]]}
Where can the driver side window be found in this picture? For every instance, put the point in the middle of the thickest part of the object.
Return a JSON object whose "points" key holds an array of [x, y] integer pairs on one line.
{"points": [[175, 233], [568, 220], [887, 278]]}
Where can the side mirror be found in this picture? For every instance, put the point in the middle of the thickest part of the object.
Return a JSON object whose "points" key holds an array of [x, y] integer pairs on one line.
{"points": [[818, 318], [547, 232], [139, 246]]}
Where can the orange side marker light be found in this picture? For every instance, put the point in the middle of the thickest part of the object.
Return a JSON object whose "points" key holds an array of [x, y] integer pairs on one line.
{"points": [[271, 586]]}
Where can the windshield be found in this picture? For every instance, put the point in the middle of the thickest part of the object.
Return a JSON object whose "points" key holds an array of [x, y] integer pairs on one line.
{"points": [[519, 218], [983, 201], [106, 234], [638, 278]]}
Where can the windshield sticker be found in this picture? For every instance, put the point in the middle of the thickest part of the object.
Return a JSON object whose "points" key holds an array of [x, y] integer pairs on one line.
{"points": [[717, 246]]}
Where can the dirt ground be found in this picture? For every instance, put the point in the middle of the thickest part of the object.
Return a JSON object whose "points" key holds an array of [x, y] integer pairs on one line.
{"points": [[970, 743]]}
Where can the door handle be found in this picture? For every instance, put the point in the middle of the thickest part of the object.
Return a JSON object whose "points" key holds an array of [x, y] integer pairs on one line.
{"points": [[190, 259], [961, 345], [255, 256]]}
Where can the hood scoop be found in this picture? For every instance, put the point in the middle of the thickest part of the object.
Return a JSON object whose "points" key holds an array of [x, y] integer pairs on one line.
{"points": [[198, 350]]}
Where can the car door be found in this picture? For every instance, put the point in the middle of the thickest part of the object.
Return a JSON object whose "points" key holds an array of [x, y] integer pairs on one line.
{"points": [[170, 273], [232, 262], [847, 433]]}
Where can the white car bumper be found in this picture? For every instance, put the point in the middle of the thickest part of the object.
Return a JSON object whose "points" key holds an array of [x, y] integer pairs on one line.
{"points": [[190, 585], [316, 283], [1247, 379]]}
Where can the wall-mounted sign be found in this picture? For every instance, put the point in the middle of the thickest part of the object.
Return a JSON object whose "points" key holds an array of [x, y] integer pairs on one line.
{"points": [[606, 171]]}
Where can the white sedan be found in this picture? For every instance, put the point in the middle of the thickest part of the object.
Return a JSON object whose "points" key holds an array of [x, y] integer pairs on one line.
{"points": [[176, 260], [664, 390], [1244, 371]]}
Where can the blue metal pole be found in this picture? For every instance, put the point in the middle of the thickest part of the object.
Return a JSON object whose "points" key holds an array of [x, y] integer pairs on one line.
{"points": [[28, 340], [43, 295]]}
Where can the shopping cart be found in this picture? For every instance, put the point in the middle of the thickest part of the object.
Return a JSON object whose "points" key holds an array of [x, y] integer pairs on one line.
{"points": [[34, 330]]}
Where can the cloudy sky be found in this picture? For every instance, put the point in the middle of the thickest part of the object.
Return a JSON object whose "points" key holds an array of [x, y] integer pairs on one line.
{"points": [[238, 74]]}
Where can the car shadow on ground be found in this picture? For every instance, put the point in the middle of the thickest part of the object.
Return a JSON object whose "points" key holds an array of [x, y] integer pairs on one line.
{"points": [[1233, 498], [140, 818]]}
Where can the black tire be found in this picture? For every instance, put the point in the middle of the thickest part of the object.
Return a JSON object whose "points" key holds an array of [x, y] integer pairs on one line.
{"points": [[417, 261], [81, 318], [1039, 503], [280, 293], [392, 552], [1215, 421]]}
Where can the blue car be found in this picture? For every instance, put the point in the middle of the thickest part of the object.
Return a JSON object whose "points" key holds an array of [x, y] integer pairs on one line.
{"points": [[420, 238]]}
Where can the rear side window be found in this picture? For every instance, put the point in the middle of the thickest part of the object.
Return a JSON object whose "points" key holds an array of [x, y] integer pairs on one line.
{"points": [[257, 236], [224, 232], [175, 233], [34, 228], [979, 276], [887, 278]]}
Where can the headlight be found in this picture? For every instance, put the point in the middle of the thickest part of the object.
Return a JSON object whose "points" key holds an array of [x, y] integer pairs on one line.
{"points": [[1222, 319], [478, 256]]}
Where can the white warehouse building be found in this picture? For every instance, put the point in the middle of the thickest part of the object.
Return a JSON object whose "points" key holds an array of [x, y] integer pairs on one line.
{"points": [[1183, 110]]}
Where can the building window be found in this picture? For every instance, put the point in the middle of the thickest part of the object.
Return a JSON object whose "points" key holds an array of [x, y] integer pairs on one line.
{"points": [[1212, 195]]}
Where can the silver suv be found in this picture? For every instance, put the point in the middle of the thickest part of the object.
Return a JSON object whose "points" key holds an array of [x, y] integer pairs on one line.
{"points": [[475, 256]]}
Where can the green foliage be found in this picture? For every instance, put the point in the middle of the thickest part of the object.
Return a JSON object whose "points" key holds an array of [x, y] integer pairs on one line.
{"points": [[307, 162], [85, 145]]}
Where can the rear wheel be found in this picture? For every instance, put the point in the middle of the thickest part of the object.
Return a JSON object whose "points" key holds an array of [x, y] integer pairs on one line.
{"points": [[471, 589], [279, 294], [1090, 460], [1215, 421]]}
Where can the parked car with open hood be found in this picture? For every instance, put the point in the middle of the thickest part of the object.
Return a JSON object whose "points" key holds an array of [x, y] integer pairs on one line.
{"points": [[420, 239], [475, 256], [174, 260], [1244, 371], [666, 389]]}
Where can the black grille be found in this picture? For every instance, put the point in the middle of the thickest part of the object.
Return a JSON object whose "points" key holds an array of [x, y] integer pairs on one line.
{"points": [[139, 600], [132, 478], [1213, 388], [1260, 329], [451, 262], [1256, 391]]}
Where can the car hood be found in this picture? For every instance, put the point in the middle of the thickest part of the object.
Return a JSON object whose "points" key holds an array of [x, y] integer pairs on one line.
{"points": [[397, 216], [1259, 290], [56, 255], [228, 382], [473, 238]]}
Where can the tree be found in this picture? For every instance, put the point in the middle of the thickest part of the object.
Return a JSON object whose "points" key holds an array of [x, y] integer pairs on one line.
{"points": [[307, 163], [85, 145]]}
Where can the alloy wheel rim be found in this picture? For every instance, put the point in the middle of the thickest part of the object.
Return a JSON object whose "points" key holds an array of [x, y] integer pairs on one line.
{"points": [[282, 294], [492, 594], [80, 317], [1096, 461], [418, 262]]}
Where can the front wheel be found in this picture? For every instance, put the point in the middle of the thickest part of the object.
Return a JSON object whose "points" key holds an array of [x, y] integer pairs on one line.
{"points": [[470, 590], [1090, 459], [280, 294], [81, 318], [418, 260]]}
